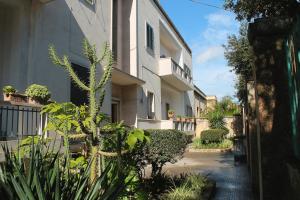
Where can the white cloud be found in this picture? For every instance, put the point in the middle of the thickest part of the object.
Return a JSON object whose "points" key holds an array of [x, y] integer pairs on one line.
{"points": [[219, 26], [209, 54], [211, 72], [220, 19]]}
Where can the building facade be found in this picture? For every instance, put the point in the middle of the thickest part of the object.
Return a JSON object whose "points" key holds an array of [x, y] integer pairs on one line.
{"points": [[153, 73], [28, 27], [200, 101], [153, 70]]}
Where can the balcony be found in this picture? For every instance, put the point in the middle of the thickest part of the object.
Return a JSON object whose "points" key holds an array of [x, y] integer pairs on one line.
{"points": [[173, 74]]}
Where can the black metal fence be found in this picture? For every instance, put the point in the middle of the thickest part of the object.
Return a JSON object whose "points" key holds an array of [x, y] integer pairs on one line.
{"points": [[20, 121]]}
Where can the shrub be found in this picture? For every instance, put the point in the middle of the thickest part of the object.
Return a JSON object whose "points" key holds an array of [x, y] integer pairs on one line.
{"points": [[213, 135], [9, 89], [38, 92], [198, 144], [216, 120], [165, 146]]}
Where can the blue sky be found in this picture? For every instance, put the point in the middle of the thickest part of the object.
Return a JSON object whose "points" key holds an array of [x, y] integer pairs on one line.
{"points": [[205, 29]]}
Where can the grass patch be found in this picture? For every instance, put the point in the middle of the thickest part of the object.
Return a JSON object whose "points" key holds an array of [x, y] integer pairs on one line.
{"points": [[225, 144], [191, 188]]}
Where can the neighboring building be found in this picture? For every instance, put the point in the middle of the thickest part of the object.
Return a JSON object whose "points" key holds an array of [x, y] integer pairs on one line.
{"points": [[211, 102], [199, 101], [154, 66]]}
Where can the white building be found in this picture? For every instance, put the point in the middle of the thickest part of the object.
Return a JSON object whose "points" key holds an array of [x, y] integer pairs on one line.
{"points": [[153, 73], [154, 66]]}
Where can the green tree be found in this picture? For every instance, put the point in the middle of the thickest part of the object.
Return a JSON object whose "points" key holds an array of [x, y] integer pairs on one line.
{"points": [[240, 58], [251, 9]]}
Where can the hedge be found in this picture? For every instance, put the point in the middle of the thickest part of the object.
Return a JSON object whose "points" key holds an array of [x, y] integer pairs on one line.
{"points": [[213, 135], [165, 146]]}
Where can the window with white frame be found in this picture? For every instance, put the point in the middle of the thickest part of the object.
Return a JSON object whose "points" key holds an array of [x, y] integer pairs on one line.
{"points": [[150, 105], [149, 37]]}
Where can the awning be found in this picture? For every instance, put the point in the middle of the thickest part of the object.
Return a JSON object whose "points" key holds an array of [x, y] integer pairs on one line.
{"points": [[120, 77]]}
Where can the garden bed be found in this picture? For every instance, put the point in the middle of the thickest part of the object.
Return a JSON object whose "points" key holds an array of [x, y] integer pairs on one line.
{"points": [[182, 187], [199, 146]]}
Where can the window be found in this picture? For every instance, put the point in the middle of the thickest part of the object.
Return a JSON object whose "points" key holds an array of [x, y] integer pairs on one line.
{"points": [[150, 105], [150, 37], [187, 71], [79, 96], [189, 111]]}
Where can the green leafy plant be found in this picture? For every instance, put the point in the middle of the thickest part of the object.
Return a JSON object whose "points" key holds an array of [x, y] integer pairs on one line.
{"points": [[42, 176], [213, 135], [165, 146], [9, 89], [190, 189], [70, 121], [171, 112], [38, 92], [95, 88], [216, 119]]}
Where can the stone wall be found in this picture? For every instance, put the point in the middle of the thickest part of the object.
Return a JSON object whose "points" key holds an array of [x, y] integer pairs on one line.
{"points": [[234, 125], [270, 137]]}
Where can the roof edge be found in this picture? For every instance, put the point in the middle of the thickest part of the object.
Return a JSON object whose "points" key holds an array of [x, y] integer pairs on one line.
{"points": [[172, 25]]}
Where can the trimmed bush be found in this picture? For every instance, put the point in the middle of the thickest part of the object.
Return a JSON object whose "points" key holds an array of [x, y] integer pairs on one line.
{"points": [[38, 92], [213, 135], [165, 146], [9, 89]]}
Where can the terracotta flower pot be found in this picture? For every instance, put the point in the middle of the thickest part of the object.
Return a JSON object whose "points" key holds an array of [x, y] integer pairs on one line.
{"points": [[15, 97], [7, 97], [33, 101], [183, 119], [171, 115], [178, 119]]}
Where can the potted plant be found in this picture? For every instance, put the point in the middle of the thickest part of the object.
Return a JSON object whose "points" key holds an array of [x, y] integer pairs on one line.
{"points": [[183, 119], [193, 120], [171, 114], [37, 94], [178, 118], [8, 91]]}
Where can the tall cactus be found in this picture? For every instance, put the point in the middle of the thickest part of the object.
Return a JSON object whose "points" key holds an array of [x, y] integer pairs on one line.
{"points": [[95, 90]]}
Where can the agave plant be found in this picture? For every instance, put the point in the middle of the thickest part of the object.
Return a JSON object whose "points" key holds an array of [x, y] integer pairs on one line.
{"points": [[42, 176]]}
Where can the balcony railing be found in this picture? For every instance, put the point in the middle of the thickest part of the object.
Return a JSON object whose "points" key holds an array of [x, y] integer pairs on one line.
{"points": [[175, 75], [179, 71]]}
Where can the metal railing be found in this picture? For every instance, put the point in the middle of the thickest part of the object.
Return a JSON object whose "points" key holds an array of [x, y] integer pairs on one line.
{"points": [[178, 70], [19, 121]]}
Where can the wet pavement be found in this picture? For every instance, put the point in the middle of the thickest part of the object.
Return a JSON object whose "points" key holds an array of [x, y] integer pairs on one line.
{"points": [[232, 179]]}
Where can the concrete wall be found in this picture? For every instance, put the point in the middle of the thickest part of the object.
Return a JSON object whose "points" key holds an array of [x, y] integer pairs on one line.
{"points": [[154, 124], [173, 97], [234, 125], [128, 98], [64, 23]]}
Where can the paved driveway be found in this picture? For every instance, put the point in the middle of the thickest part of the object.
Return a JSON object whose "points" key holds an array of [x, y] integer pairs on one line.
{"points": [[232, 179]]}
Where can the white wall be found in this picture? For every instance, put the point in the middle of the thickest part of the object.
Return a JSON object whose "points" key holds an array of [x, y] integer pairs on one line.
{"points": [[173, 97], [64, 23]]}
